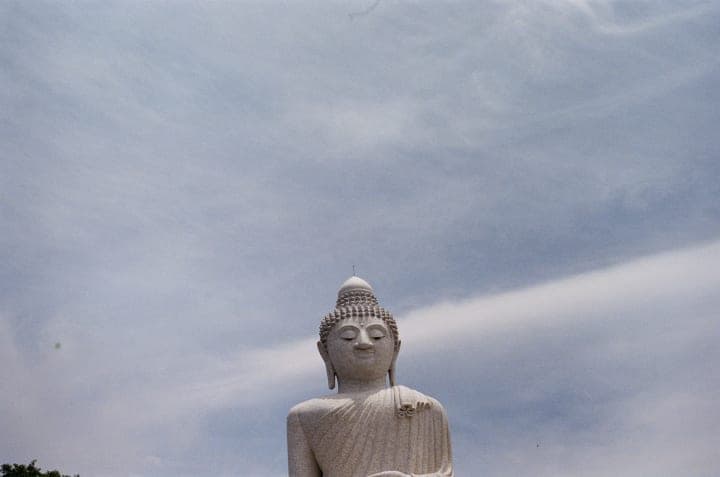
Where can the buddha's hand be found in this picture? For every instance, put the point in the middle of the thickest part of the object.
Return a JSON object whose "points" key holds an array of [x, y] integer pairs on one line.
{"points": [[390, 473]]}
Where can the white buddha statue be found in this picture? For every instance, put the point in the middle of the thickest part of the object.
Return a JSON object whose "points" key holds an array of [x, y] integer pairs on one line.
{"points": [[369, 428]]}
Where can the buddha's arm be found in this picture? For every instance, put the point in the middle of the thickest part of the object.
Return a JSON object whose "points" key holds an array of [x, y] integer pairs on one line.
{"points": [[442, 443], [301, 460], [444, 472]]}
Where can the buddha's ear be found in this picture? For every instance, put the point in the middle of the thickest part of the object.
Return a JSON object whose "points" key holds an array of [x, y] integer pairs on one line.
{"points": [[329, 369], [391, 371]]}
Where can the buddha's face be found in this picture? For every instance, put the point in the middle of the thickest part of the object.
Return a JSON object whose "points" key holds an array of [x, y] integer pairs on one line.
{"points": [[360, 349]]}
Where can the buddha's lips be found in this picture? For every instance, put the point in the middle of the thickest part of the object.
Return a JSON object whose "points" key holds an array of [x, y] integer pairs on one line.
{"points": [[364, 353]]}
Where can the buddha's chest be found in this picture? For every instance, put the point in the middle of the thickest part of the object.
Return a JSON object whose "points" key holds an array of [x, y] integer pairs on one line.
{"points": [[359, 439]]}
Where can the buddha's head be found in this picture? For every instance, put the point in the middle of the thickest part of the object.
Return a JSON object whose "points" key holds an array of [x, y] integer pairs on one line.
{"points": [[359, 339]]}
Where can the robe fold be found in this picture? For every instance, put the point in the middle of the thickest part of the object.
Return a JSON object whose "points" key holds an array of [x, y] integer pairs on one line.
{"points": [[356, 435]]}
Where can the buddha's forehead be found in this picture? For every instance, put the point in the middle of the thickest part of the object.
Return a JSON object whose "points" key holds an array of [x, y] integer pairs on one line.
{"points": [[360, 321]]}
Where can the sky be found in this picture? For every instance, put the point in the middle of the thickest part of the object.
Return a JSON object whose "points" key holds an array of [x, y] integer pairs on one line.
{"points": [[531, 187]]}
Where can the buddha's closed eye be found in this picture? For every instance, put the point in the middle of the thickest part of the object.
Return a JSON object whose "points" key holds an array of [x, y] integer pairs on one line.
{"points": [[373, 332], [376, 333], [348, 334]]}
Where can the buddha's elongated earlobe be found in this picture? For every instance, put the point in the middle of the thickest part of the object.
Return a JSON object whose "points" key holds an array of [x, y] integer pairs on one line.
{"points": [[329, 368], [391, 371], [330, 375]]}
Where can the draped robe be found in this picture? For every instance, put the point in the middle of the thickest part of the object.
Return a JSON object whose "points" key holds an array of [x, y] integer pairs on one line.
{"points": [[359, 434]]}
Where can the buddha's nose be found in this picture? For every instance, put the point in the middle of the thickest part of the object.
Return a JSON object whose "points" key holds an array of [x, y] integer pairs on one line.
{"points": [[363, 341]]}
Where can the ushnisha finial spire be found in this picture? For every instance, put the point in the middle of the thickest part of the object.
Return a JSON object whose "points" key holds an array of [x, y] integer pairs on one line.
{"points": [[355, 291]]}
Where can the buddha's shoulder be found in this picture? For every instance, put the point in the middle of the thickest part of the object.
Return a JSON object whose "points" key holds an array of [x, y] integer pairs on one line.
{"points": [[419, 399], [320, 406], [315, 406], [404, 390]]}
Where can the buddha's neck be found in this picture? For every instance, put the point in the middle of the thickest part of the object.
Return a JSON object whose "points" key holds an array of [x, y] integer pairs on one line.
{"points": [[354, 386]]}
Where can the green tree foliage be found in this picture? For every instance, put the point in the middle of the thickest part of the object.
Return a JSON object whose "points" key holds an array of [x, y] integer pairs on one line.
{"points": [[19, 470]]}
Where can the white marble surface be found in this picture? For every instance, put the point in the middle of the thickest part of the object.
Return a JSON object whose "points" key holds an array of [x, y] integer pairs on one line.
{"points": [[369, 428]]}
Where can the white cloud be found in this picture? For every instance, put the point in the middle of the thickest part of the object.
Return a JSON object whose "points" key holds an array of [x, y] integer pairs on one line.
{"points": [[357, 126], [682, 275]]}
